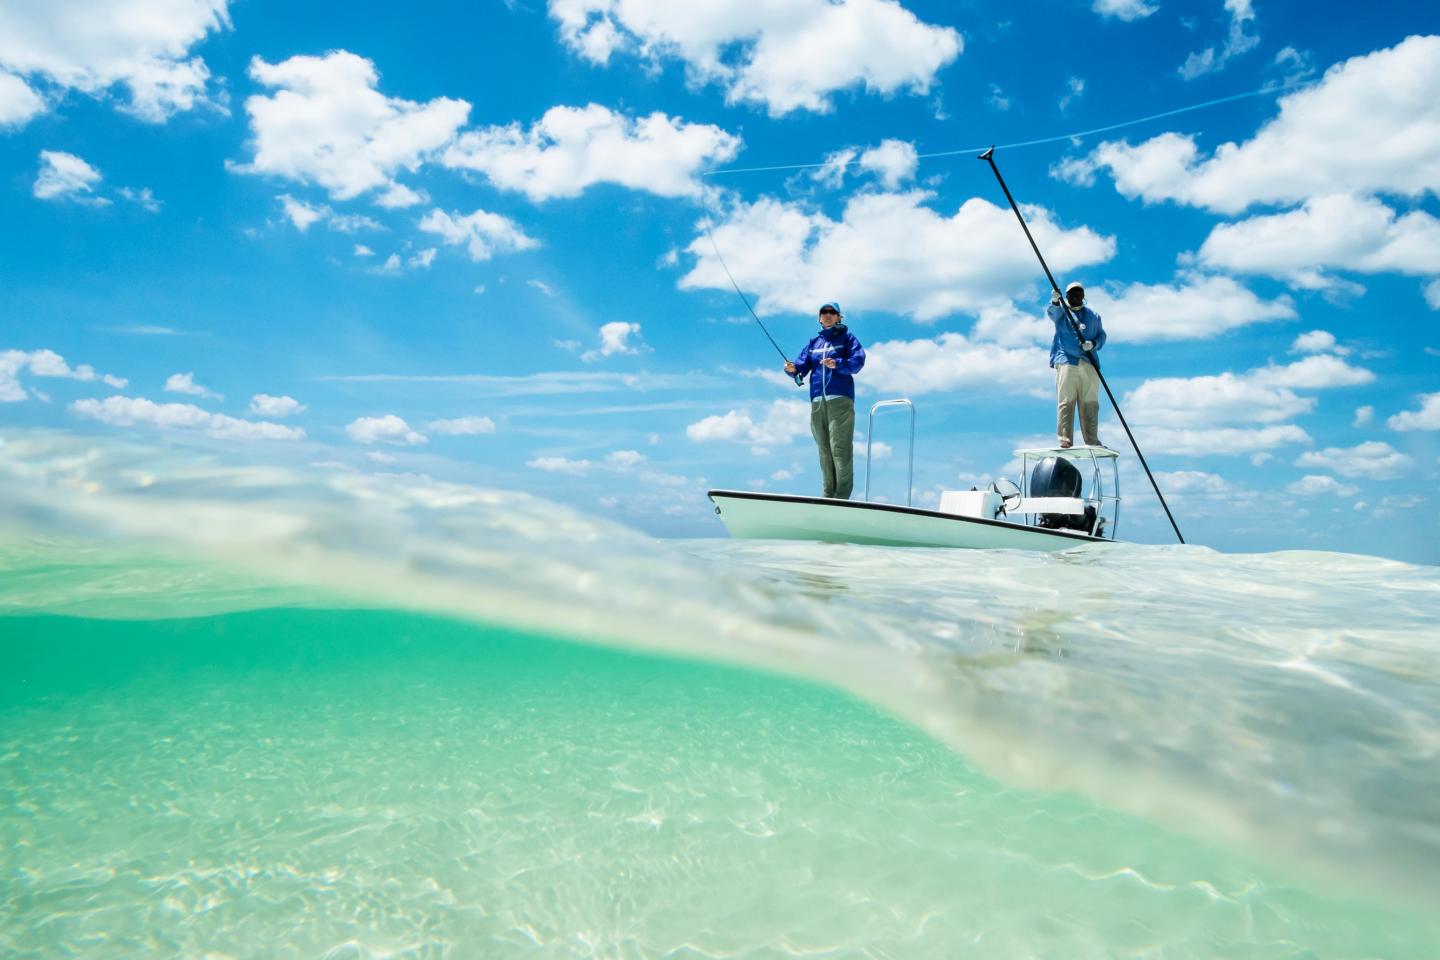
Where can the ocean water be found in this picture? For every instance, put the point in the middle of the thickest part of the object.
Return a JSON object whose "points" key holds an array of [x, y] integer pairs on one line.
{"points": [[302, 712]]}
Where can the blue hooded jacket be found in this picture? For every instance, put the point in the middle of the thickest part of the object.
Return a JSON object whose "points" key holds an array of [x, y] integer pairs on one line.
{"points": [[839, 343], [1065, 348]]}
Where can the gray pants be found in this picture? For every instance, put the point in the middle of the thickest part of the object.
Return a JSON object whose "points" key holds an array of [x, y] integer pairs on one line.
{"points": [[832, 424], [1077, 384]]}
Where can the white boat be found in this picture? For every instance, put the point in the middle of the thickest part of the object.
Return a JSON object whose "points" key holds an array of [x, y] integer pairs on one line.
{"points": [[1064, 497]]}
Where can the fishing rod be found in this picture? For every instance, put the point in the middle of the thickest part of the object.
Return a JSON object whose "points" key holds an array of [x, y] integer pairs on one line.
{"points": [[799, 378], [989, 157]]}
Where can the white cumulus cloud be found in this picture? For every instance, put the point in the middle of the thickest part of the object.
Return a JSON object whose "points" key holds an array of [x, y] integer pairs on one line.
{"points": [[779, 423], [1264, 395], [327, 124], [1373, 459], [1337, 231], [483, 234], [1195, 307], [18, 103], [64, 176], [889, 251], [387, 429], [264, 405], [617, 337], [575, 468], [1238, 41], [785, 56], [952, 362], [893, 162], [572, 148], [185, 383], [1123, 9], [142, 45], [462, 426], [1426, 418], [132, 411], [1314, 485], [44, 363], [1371, 125]]}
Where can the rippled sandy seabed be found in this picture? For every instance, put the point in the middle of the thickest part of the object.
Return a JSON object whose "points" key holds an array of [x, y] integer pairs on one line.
{"points": [[255, 712]]}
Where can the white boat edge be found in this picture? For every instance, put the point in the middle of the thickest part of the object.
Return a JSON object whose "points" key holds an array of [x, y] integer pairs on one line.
{"points": [[781, 516]]}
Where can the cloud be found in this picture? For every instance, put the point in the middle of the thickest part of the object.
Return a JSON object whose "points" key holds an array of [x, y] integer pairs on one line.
{"points": [[1426, 418], [64, 176], [144, 198], [625, 459], [615, 338], [1195, 307], [90, 47], [1363, 416], [327, 124], [998, 100], [1123, 9], [951, 362], [1264, 395], [462, 426], [1318, 341], [44, 363], [1337, 231], [484, 234], [1314, 485], [1371, 125], [1074, 90], [780, 423], [893, 162], [185, 383], [18, 103], [264, 405], [831, 173], [889, 251], [363, 251], [132, 411], [1008, 325], [302, 215], [387, 429], [542, 286], [1432, 294], [1373, 459], [787, 57], [572, 148], [576, 468], [1237, 42], [423, 259], [1220, 441]]}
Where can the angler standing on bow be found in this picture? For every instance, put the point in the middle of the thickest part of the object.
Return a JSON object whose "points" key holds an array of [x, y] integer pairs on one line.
{"points": [[832, 358], [1076, 379]]}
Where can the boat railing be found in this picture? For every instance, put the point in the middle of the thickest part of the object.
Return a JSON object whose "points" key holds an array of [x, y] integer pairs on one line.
{"points": [[870, 440], [1093, 492]]}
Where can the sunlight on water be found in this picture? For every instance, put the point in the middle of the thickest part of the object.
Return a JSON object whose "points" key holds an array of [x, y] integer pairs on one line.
{"points": [[259, 712]]}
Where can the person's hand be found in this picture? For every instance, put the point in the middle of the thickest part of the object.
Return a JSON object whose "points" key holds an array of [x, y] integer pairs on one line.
{"points": [[1088, 346], [829, 362], [1054, 299], [790, 368]]}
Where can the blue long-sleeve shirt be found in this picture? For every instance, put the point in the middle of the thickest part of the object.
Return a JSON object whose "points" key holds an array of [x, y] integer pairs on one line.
{"points": [[837, 343], [1065, 348]]}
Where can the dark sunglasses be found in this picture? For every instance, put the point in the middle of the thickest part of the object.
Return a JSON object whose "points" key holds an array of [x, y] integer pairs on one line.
{"points": [[828, 313]]}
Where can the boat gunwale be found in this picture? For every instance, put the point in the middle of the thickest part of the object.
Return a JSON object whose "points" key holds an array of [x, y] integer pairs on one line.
{"points": [[1075, 536]]}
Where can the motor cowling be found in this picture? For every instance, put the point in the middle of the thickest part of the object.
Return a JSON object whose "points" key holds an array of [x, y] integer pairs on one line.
{"points": [[1058, 477]]}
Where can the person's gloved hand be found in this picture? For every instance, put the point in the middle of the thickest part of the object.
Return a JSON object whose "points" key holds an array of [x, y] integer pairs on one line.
{"points": [[1088, 345], [1054, 298]]}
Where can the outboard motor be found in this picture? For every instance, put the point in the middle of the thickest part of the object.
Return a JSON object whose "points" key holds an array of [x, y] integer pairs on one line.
{"points": [[1058, 477]]}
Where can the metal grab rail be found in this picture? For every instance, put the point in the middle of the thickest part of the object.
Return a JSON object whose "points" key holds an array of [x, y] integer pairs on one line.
{"points": [[870, 439]]}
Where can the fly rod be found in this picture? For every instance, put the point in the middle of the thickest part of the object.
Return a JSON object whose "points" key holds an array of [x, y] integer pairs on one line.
{"points": [[989, 157], [799, 378]]}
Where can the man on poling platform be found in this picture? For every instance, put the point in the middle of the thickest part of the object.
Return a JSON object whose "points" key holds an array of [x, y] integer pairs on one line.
{"points": [[832, 358], [1077, 381]]}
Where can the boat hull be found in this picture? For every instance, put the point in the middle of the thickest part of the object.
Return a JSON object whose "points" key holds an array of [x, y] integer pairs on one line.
{"points": [[776, 516]]}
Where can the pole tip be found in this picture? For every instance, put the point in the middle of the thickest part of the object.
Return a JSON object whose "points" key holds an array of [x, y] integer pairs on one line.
{"points": [[987, 154]]}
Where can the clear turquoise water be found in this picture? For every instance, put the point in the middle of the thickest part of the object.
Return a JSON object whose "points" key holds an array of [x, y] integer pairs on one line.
{"points": [[293, 713]]}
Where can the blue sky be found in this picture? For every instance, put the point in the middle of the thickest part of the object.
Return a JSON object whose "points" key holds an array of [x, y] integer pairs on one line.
{"points": [[464, 240]]}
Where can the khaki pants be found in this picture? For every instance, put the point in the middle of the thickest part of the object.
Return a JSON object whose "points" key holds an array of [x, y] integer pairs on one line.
{"points": [[832, 424], [1077, 384]]}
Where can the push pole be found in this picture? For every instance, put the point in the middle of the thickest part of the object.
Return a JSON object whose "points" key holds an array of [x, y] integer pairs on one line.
{"points": [[989, 157]]}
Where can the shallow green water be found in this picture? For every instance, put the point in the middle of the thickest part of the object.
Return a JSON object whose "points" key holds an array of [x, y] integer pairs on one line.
{"points": [[306, 783]]}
